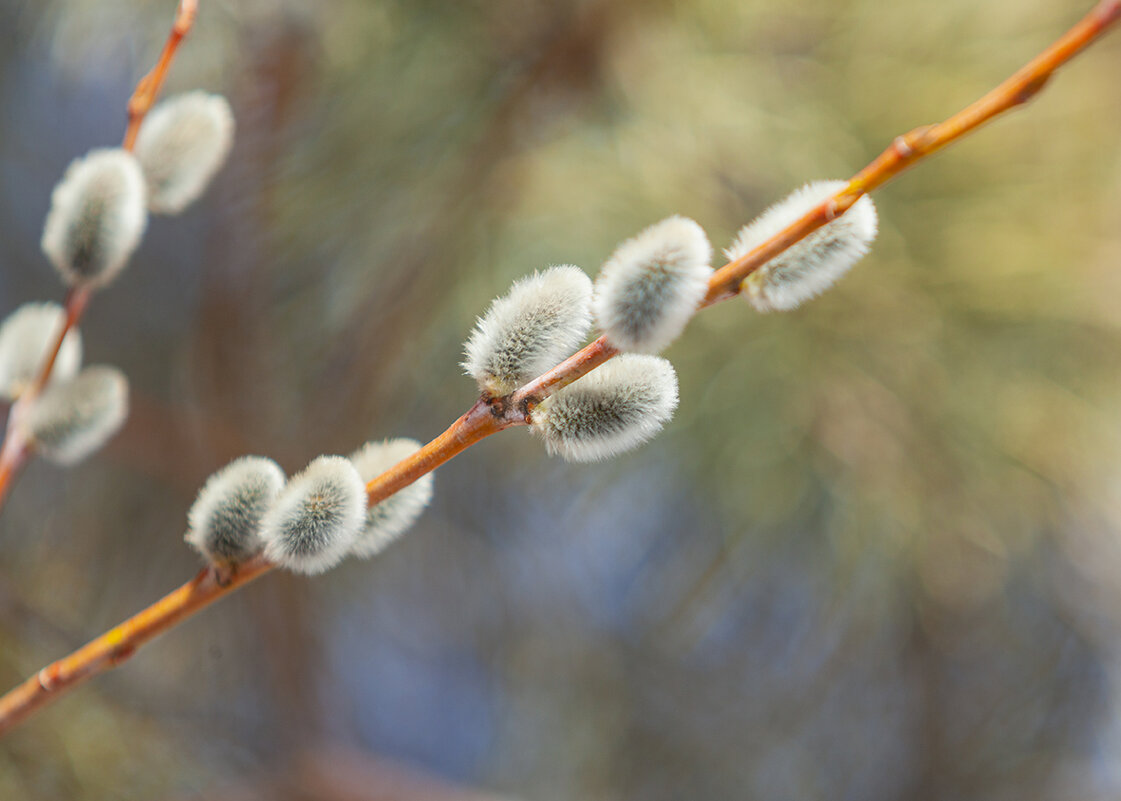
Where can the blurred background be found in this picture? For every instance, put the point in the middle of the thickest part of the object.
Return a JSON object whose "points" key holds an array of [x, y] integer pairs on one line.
{"points": [[875, 556]]}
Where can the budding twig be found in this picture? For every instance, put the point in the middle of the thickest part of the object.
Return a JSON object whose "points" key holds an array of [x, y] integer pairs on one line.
{"points": [[491, 415], [924, 141], [149, 86], [13, 451]]}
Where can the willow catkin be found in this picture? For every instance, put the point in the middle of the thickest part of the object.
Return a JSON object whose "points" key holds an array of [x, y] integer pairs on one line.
{"points": [[71, 419], [26, 338], [652, 285], [181, 145], [225, 519], [612, 409], [539, 322], [315, 520], [389, 519], [97, 216], [812, 265]]}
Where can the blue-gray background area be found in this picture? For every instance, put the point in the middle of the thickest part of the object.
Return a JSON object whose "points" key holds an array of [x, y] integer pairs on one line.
{"points": [[875, 555]]}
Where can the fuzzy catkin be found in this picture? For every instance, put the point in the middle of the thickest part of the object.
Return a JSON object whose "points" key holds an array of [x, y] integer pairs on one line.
{"points": [[809, 267], [315, 520], [389, 519], [73, 418], [652, 285], [181, 145], [613, 409], [538, 323], [225, 520], [26, 337], [98, 214]]}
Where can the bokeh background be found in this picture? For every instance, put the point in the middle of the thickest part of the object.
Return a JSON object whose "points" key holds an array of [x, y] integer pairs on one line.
{"points": [[877, 554]]}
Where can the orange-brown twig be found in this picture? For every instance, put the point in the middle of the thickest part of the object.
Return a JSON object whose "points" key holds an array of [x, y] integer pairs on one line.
{"points": [[149, 86], [14, 450], [488, 416], [118, 644], [14, 453], [74, 307], [924, 141]]}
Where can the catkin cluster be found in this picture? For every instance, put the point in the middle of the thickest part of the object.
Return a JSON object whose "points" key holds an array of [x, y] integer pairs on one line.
{"points": [[308, 523], [98, 214], [78, 409], [644, 296], [99, 209]]}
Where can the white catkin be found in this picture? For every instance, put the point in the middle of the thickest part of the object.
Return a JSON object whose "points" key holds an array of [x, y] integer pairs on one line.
{"points": [[315, 520], [811, 266], [26, 337], [613, 409], [538, 323], [73, 418], [97, 216], [652, 285], [389, 519], [225, 520], [181, 145]]}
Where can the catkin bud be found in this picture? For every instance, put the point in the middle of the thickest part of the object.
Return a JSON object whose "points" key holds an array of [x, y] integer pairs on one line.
{"points": [[26, 336], [73, 418], [541, 321], [181, 144], [652, 285], [611, 410], [97, 217], [389, 519], [809, 267], [315, 520], [225, 519]]}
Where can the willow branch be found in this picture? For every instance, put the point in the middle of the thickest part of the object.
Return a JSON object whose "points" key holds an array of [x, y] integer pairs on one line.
{"points": [[901, 154], [149, 86], [14, 452], [119, 643], [491, 415]]}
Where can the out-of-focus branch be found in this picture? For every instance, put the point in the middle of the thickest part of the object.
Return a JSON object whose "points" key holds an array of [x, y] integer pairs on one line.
{"points": [[149, 86], [488, 416], [14, 453]]}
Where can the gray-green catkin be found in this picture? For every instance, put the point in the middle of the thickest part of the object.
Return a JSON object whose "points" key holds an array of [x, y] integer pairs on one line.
{"points": [[225, 520], [181, 145], [98, 214], [26, 337], [652, 285], [71, 419], [317, 517], [613, 409], [540, 322], [389, 519], [809, 267]]}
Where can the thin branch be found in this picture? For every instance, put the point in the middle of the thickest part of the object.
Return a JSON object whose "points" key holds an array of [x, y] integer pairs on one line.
{"points": [[14, 451], [489, 416], [118, 644], [73, 307], [924, 141], [149, 86]]}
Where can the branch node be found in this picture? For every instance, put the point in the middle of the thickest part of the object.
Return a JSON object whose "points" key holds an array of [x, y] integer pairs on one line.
{"points": [[122, 654], [1031, 89]]}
